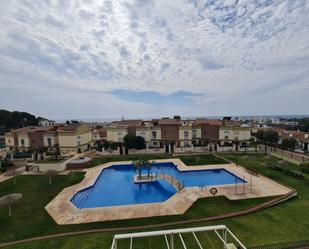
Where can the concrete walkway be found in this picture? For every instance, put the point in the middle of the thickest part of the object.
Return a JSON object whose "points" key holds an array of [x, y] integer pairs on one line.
{"points": [[4, 178]]}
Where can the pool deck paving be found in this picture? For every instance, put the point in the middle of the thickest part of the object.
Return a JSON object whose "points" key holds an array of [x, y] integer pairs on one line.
{"points": [[64, 211]]}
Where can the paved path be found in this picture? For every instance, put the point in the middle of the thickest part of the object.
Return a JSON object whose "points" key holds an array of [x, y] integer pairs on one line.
{"points": [[4, 178]]}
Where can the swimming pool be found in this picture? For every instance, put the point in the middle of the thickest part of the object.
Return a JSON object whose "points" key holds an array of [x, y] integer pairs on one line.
{"points": [[115, 185]]}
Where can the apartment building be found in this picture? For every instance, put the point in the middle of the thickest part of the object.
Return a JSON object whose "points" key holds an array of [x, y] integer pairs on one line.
{"points": [[207, 130], [50, 140], [234, 136], [119, 129], [74, 138], [99, 135], [46, 122], [28, 138], [171, 133], [68, 138]]}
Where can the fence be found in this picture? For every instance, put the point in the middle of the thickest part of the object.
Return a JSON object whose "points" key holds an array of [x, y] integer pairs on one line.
{"points": [[147, 151], [286, 245], [284, 153], [111, 152]]}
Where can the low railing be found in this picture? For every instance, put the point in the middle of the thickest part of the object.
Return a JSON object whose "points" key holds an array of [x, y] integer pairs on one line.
{"points": [[286, 245], [179, 186]]}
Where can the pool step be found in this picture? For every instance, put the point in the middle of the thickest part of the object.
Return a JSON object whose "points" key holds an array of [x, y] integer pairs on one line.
{"points": [[81, 197]]}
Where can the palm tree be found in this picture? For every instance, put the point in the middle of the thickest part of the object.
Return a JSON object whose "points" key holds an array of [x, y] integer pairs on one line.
{"points": [[149, 166], [138, 165]]}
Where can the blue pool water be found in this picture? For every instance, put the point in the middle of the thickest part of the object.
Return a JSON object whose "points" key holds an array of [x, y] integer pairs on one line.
{"points": [[115, 185]]}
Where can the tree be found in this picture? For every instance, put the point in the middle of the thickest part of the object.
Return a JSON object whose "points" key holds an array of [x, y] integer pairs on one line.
{"points": [[269, 136], [149, 166], [138, 166], [134, 142], [260, 135], [12, 120], [110, 145], [289, 143], [57, 151]]}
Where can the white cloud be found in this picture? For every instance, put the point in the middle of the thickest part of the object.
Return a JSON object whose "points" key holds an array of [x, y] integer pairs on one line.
{"points": [[225, 49]]}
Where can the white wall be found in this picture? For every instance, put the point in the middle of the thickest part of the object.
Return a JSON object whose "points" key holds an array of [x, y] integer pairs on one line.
{"points": [[198, 132], [116, 134], [183, 130], [9, 140], [234, 134], [26, 139], [145, 133], [53, 137]]}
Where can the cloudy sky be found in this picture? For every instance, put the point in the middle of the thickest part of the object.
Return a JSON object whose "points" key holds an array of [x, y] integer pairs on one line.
{"points": [[113, 58]]}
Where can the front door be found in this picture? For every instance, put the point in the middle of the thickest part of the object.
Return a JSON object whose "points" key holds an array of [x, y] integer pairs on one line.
{"points": [[167, 149], [172, 147]]}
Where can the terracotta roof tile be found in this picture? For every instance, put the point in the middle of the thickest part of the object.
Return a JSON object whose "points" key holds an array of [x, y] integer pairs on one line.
{"points": [[168, 121], [130, 122], [201, 121]]}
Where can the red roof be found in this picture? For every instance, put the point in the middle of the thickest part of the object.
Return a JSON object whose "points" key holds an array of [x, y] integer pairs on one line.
{"points": [[130, 122], [167, 121], [206, 121]]}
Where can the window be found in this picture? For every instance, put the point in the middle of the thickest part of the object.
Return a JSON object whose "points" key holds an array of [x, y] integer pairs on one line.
{"points": [[186, 134], [9, 140], [226, 134], [194, 133], [236, 134], [154, 135], [119, 137], [22, 141], [78, 140], [49, 142]]}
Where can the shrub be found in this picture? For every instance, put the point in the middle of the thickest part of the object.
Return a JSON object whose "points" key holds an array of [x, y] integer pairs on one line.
{"points": [[288, 143], [276, 167], [7, 163], [304, 167], [3, 169], [134, 142], [110, 145]]}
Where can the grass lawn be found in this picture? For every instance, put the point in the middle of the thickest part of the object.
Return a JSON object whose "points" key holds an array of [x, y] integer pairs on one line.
{"points": [[285, 222], [201, 159], [187, 159], [285, 158]]}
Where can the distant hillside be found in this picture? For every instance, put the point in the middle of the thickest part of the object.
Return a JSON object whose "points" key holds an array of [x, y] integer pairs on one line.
{"points": [[13, 120]]}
